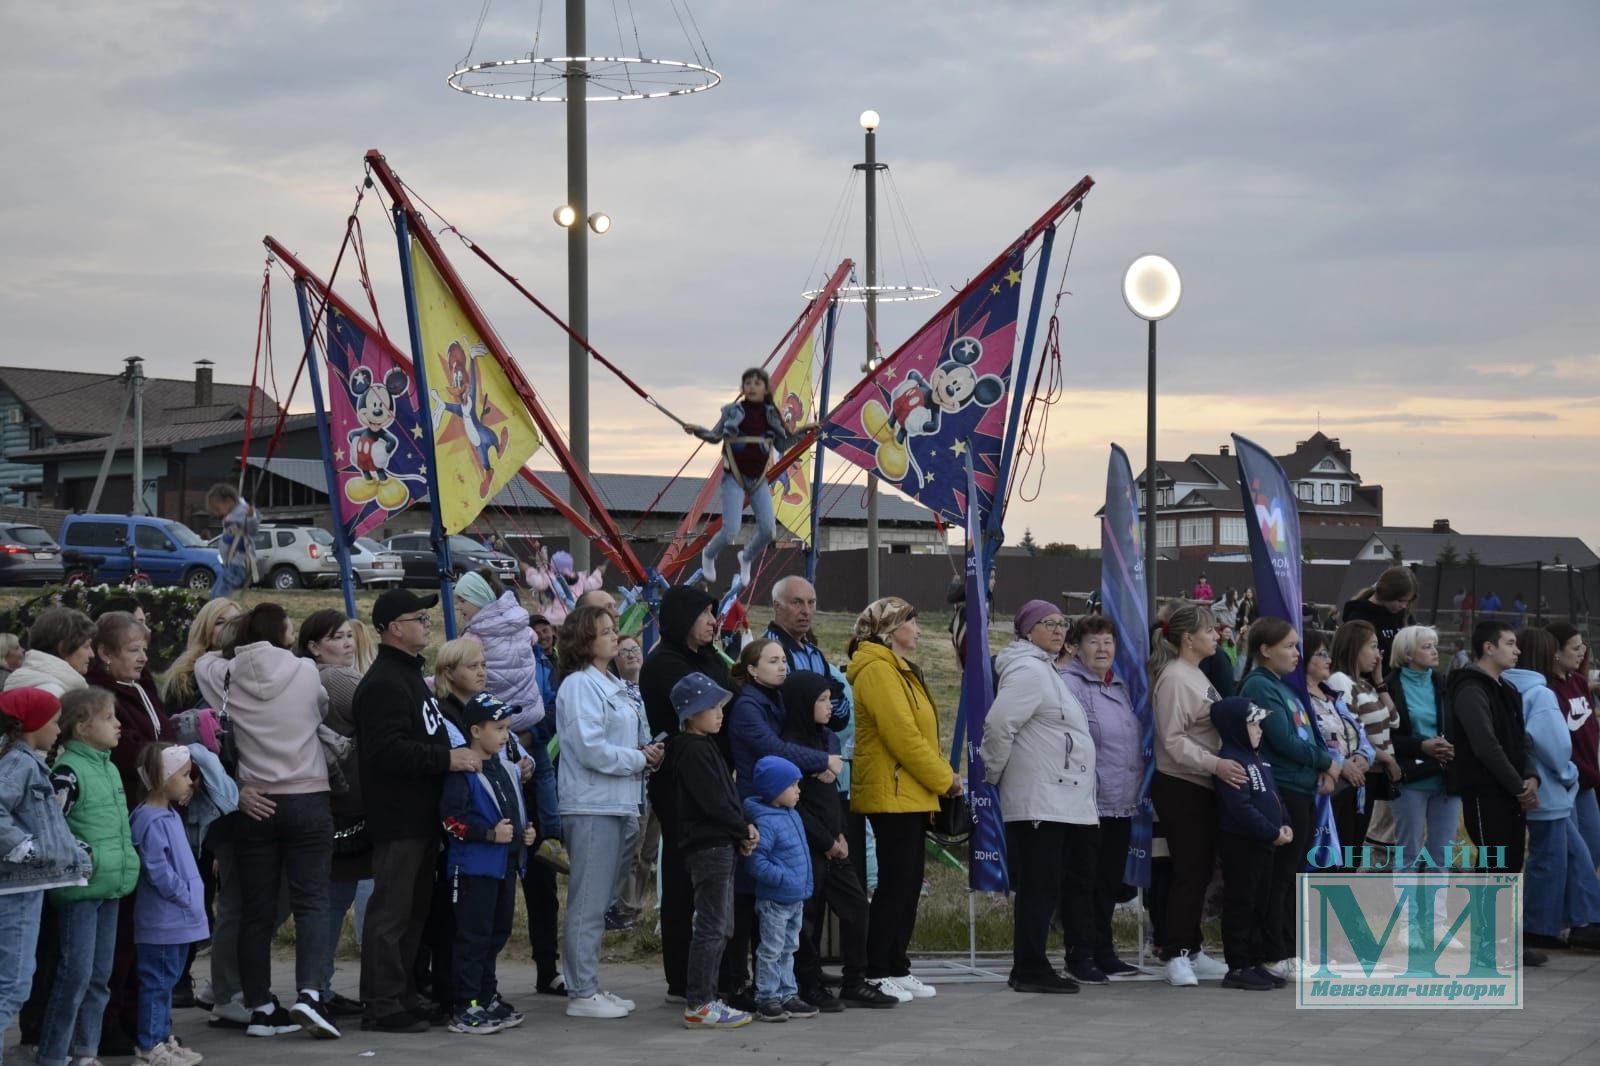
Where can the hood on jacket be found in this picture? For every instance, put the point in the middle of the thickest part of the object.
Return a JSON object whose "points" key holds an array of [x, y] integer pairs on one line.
{"points": [[872, 651], [680, 606], [1015, 654], [800, 692], [1230, 717], [504, 617], [1526, 682], [1341, 684], [261, 670], [40, 669]]}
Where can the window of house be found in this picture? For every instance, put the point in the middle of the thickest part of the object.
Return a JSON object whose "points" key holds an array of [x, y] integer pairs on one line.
{"points": [[1233, 531], [1344, 493], [1164, 535], [1164, 497], [1194, 532], [1305, 490], [36, 437], [1327, 492]]}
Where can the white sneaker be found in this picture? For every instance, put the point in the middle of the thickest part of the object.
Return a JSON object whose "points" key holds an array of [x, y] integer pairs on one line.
{"points": [[1206, 968], [626, 1004], [1180, 972], [183, 1055], [233, 1013], [708, 567], [595, 1006], [918, 989], [1287, 969], [744, 569], [889, 987]]}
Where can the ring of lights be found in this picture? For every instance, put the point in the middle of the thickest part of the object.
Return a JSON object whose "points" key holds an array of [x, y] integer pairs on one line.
{"points": [[887, 294], [616, 78]]}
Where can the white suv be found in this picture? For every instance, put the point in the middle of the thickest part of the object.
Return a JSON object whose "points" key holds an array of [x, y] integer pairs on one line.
{"points": [[291, 557]]}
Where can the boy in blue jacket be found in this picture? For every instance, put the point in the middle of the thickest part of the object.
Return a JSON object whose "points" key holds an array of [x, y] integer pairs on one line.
{"points": [[487, 851], [1253, 822], [779, 872]]}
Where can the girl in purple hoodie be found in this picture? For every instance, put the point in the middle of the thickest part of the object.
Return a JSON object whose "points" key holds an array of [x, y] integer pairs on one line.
{"points": [[169, 906]]}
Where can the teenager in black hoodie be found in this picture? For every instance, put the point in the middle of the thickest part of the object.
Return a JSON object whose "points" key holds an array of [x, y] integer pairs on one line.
{"points": [[688, 626], [808, 707]]}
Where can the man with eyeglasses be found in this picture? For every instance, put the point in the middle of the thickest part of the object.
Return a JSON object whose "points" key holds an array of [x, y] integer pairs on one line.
{"points": [[404, 755]]}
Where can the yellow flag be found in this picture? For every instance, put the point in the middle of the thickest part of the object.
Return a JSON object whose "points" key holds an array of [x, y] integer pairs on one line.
{"points": [[791, 492], [482, 431]]}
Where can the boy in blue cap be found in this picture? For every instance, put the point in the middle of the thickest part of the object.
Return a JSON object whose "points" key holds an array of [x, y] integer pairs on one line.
{"points": [[779, 872], [489, 836], [710, 827]]}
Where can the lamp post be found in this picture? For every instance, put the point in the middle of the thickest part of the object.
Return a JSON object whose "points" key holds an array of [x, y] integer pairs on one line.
{"points": [[869, 123], [1151, 288]]}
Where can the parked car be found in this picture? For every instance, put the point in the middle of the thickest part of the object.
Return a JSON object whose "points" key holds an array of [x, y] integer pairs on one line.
{"points": [[466, 554], [291, 557], [28, 556], [375, 565], [170, 552]]}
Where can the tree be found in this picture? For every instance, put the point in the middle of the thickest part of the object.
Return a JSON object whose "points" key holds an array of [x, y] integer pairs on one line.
{"points": [[1055, 547], [1028, 544], [1472, 557], [1447, 555]]}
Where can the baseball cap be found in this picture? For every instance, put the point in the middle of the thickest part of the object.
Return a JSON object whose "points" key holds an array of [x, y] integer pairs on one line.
{"points": [[483, 708], [695, 693], [396, 602]]}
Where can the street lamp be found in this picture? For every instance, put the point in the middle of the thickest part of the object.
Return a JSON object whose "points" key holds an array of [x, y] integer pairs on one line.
{"points": [[869, 122], [1151, 288], [565, 216], [600, 222]]}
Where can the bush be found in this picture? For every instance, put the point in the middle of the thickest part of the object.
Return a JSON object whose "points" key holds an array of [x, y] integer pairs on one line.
{"points": [[169, 612]]}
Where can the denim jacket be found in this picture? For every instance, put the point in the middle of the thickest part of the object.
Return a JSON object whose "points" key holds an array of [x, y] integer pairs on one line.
{"points": [[731, 417], [601, 770], [37, 850]]}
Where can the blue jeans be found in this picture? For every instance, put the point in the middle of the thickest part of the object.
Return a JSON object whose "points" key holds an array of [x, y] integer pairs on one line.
{"points": [[78, 1000], [1425, 819], [232, 578], [1587, 810], [159, 967], [295, 841], [1559, 888], [733, 499], [19, 935], [341, 895], [599, 845], [780, 935]]}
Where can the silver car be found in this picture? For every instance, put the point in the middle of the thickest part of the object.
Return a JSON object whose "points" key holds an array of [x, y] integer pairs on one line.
{"points": [[290, 557], [375, 565]]}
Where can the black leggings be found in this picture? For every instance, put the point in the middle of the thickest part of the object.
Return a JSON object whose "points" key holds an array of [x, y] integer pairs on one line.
{"points": [[892, 916], [1188, 814], [1287, 861]]}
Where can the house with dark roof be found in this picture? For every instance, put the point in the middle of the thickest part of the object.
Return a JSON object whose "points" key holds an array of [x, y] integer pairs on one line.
{"points": [[1200, 511], [47, 415], [1440, 543]]}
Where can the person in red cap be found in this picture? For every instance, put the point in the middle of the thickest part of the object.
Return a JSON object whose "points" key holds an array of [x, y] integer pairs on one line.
{"points": [[37, 850]]}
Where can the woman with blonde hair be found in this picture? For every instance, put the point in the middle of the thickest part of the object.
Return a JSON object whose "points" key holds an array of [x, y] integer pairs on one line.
{"points": [[208, 632], [899, 774]]}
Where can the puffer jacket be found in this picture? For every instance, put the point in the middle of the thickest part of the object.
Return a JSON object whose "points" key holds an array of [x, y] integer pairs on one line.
{"points": [[40, 669], [97, 813], [601, 769], [507, 638], [898, 768], [1118, 739], [37, 849], [779, 868], [1551, 742], [275, 701], [754, 726], [1036, 742]]}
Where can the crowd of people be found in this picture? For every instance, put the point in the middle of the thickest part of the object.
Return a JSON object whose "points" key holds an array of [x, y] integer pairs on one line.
{"points": [[275, 770]]}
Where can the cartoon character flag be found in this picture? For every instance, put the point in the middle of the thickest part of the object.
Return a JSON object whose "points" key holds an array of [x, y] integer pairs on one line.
{"points": [[938, 398], [378, 453], [791, 491], [482, 430]]}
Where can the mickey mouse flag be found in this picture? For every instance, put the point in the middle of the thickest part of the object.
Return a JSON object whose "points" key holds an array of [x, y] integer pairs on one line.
{"points": [[939, 399]]}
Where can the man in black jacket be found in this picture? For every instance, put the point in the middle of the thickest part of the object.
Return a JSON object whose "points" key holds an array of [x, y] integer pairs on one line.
{"points": [[404, 754], [688, 627]]}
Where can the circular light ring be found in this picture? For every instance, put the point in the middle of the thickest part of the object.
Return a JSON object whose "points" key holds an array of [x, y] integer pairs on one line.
{"points": [[1151, 287], [544, 79], [886, 294]]}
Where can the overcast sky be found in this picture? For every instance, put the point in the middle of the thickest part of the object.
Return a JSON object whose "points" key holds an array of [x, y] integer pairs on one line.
{"points": [[1387, 216]]}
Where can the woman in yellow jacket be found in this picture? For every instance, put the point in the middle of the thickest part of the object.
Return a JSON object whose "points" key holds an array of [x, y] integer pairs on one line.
{"points": [[896, 780]]}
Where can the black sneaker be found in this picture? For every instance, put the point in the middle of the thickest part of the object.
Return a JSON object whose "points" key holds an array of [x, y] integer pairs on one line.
{"points": [[475, 1021], [1248, 980], [861, 994], [1052, 983], [1582, 937], [341, 1006], [274, 1021], [183, 993], [1540, 940], [822, 999], [1534, 958], [795, 1007], [504, 1013], [435, 1014], [1087, 973], [312, 1015], [744, 1000], [1277, 982], [401, 1021], [1115, 967], [772, 1011]]}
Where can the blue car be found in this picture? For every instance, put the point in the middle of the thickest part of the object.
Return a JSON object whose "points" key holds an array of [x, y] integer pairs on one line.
{"points": [[168, 551]]}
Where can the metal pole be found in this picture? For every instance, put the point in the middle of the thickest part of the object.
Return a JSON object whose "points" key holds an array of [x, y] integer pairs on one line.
{"points": [[111, 451], [136, 387], [341, 548], [872, 345], [577, 271], [1150, 482], [822, 410]]}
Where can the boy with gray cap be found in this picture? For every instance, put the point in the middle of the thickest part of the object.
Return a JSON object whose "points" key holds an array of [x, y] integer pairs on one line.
{"points": [[711, 824]]}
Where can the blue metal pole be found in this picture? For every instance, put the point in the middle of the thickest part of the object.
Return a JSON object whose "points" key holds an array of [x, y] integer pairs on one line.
{"points": [[441, 543], [1019, 388], [821, 413], [341, 547]]}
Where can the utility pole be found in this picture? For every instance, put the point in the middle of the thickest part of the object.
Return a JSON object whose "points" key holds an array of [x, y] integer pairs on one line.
{"points": [[869, 122], [136, 388], [577, 269]]}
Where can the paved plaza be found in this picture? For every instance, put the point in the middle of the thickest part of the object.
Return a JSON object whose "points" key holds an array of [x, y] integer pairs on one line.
{"points": [[984, 1023]]}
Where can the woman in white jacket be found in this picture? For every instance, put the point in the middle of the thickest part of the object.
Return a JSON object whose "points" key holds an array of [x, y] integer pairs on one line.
{"points": [[58, 653], [1037, 749]]}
